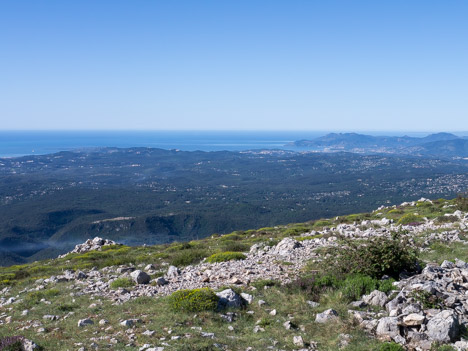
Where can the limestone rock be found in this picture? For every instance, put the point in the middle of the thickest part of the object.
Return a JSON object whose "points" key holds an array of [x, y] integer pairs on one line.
{"points": [[85, 322], [229, 298], [140, 277], [443, 327], [413, 319], [173, 272], [388, 327], [326, 316], [375, 298]]}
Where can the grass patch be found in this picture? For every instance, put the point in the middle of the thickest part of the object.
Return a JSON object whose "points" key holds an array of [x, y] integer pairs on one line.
{"points": [[226, 256], [122, 283]]}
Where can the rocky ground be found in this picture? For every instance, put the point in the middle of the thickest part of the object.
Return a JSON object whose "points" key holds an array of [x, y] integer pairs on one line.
{"points": [[424, 309]]}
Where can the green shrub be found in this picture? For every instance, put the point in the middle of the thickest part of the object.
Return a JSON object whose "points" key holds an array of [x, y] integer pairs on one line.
{"points": [[423, 204], [427, 299], [188, 257], [296, 230], [322, 223], [375, 257], [122, 283], [357, 285], [386, 285], [179, 247], [354, 286], [195, 300], [264, 322], [410, 218], [232, 236], [396, 211], [235, 246], [226, 256], [354, 218], [391, 346]]}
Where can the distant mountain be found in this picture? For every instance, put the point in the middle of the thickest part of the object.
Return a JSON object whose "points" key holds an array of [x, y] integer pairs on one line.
{"points": [[448, 148], [439, 144]]}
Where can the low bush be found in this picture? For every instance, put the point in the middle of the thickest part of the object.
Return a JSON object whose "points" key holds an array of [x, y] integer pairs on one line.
{"points": [[354, 218], [122, 283], [357, 285], [235, 246], [386, 285], [374, 257], [423, 204], [188, 257], [322, 223], [354, 286], [195, 300], [391, 346], [226, 256], [410, 218], [296, 230]]}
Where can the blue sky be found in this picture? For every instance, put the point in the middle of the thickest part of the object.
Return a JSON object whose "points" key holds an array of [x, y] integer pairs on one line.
{"points": [[253, 65]]}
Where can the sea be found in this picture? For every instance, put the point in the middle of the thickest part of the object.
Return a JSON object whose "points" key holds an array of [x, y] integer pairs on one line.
{"points": [[21, 143]]}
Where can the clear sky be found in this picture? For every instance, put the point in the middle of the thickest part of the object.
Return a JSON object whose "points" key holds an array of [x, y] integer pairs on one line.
{"points": [[315, 65]]}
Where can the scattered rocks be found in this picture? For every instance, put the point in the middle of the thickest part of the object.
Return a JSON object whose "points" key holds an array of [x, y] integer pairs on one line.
{"points": [[91, 245], [285, 247], [429, 307]]}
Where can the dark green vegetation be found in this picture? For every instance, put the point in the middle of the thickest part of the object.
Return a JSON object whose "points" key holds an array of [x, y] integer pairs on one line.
{"points": [[359, 269], [391, 346], [49, 203], [375, 257], [328, 283]]}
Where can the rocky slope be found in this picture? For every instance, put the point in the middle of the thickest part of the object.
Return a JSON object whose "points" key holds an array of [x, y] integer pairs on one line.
{"points": [[422, 311]]}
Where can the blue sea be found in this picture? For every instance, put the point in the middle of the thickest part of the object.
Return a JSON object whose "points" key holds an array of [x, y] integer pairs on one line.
{"points": [[21, 143]]}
